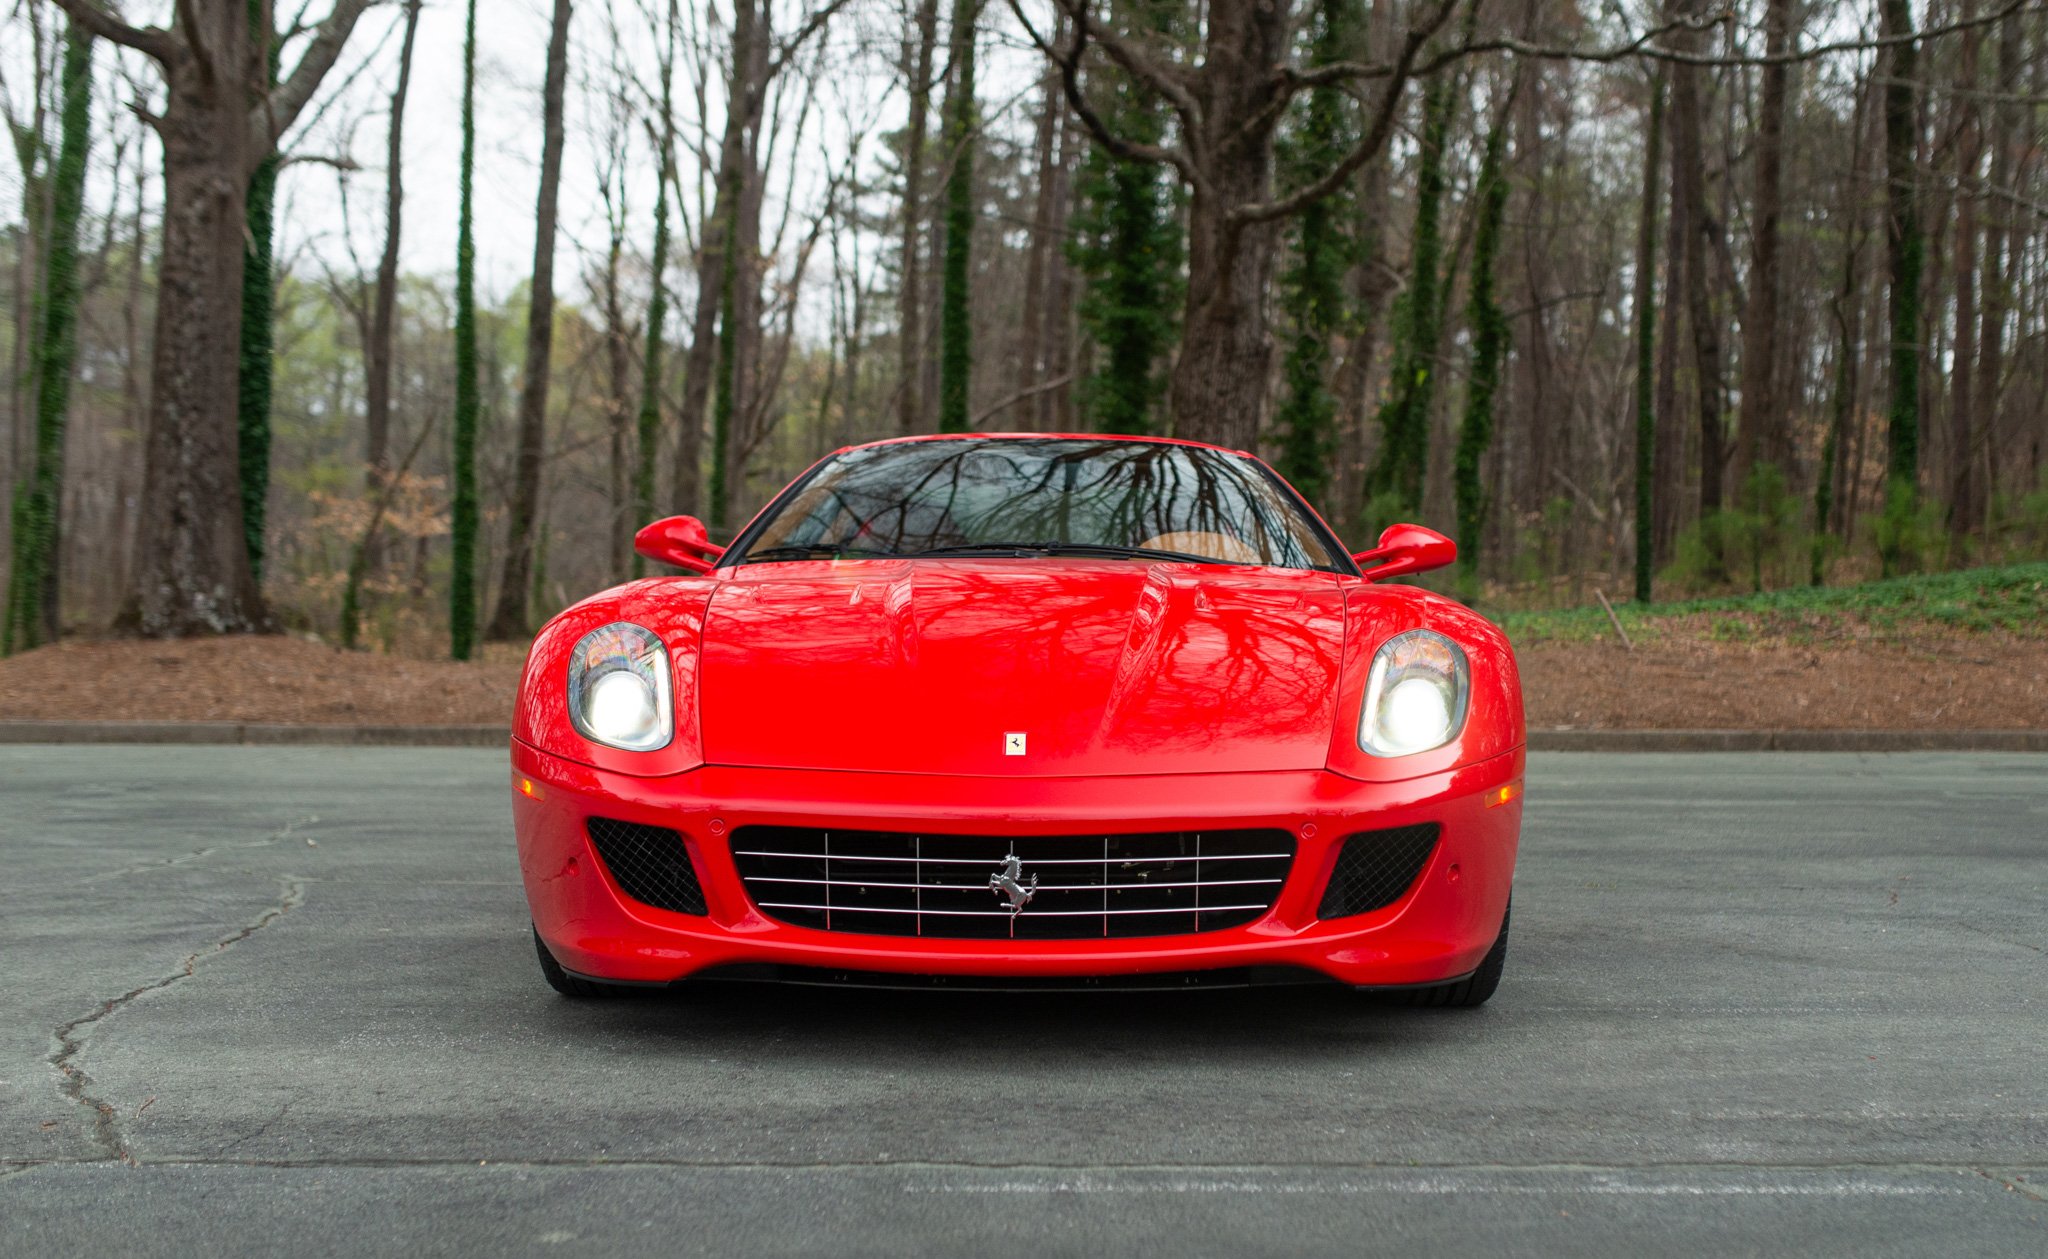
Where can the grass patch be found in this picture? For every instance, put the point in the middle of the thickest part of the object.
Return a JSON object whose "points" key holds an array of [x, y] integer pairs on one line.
{"points": [[2012, 599]]}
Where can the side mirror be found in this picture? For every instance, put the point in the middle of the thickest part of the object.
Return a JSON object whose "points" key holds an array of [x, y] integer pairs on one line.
{"points": [[1406, 549], [678, 540]]}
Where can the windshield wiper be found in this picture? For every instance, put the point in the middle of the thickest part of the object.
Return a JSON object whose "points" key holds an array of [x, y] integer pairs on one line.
{"points": [[814, 551], [1068, 548]]}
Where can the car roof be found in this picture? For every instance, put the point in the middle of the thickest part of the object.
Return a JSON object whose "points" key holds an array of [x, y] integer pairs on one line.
{"points": [[1084, 437]]}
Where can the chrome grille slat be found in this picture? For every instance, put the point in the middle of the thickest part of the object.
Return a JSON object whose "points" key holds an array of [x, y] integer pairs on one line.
{"points": [[1043, 861], [901, 883], [1004, 913], [982, 887]]}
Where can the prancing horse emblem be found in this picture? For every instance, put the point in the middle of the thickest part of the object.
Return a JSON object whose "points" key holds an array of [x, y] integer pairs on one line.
{"points": [[1010, 881]]}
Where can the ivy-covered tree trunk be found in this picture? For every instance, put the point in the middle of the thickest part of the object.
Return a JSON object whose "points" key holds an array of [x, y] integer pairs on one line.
{"points": [[510, 619], [33, 594], [1397, 475], [462, 599], [1127, 246], [1489, 346], [1312, 288], [956, 343], [256, 366], [1646, 343], [1904, 248], [648, 435]]}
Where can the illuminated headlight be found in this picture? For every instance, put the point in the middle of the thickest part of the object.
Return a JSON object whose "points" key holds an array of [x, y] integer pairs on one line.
{"points": [[619, 688], [1416, 695]]}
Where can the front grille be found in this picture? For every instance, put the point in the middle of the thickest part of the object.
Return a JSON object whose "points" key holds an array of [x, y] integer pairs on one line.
{"points": [[1088, 887], [1376, 868], [649, 863]]}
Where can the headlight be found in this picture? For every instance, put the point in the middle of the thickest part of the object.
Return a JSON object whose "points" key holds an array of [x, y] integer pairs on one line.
{"points": [[1416, 696], [619, 688]]}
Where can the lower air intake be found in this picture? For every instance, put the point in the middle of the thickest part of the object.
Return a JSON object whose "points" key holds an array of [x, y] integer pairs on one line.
{"points": [[1376, 868], [649, 863]]}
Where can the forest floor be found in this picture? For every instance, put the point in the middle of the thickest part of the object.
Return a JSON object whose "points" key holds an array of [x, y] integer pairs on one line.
{"points": [[1950, 651]]}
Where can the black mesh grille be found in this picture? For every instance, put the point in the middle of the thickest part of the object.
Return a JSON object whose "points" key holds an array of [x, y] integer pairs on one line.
{"points": [[650, 864], [1081, 887], [1376, 868]]}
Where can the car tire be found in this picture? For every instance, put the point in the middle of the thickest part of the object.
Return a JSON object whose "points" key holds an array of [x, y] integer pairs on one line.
{"points": [[1464, 994], [562, 981]]}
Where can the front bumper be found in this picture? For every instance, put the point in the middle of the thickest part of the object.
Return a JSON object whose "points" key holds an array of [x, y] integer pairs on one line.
{"points": [[1438, 931]]}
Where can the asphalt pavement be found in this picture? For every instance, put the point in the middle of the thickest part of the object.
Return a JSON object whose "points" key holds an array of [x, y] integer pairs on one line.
{"points": [[274, 999]]}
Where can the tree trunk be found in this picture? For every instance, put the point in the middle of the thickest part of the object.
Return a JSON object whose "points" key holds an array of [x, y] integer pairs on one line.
{"points": [[1646, 342], [1218, 392], [1904, 246], [462, 600], [910, 294], [384, 306], [1055, 406], [956, 348], [256, 366], [511, 618], [1669, 472], [711, 264], [648, 431], [739, 211], [707, 371], [619, 416], [1962, 454], [1688, 156], [194, 573], [1025, 370], [34, 595], [1760, 426], [2000, 266]]}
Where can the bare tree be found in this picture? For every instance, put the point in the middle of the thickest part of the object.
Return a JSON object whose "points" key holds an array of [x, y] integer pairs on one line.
{"points": [[510, 618]]}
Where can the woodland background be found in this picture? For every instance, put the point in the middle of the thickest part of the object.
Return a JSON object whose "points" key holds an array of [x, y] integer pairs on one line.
{"points": [[1650, 299]]}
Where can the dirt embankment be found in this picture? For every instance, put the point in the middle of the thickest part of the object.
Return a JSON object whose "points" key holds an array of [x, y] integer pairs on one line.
{"points": [[1971, 682], [267, 679]]}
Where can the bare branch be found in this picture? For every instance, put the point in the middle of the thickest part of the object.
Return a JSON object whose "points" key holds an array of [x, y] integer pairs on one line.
{"points": [[275, 115], [1138, 66], [1069, 62], [93, 16], [1641, 46], [791, 46], [1022, 395], [1376, 135]]}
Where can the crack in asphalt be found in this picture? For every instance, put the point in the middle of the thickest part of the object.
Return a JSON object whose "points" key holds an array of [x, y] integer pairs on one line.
{"points": [[266, 1126], [71, 1038], [200, 854]]}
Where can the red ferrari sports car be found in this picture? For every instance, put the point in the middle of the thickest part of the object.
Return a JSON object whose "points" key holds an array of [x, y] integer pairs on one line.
{"points": [[1023, 710]]}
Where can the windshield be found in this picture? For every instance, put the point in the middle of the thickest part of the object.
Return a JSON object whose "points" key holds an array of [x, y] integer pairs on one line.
{"points": [[1023, 496]]}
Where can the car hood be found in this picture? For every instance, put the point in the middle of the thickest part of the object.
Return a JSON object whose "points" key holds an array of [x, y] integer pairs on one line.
{"points": [[1102, 667]]}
